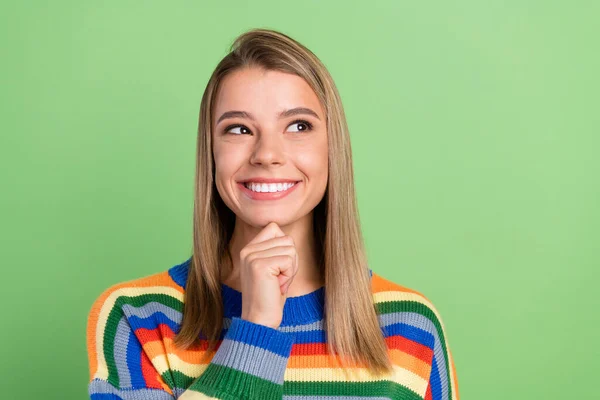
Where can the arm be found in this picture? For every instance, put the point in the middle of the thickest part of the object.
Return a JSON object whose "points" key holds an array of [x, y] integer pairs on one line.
{"points": [[249, 364], [119, 368]]}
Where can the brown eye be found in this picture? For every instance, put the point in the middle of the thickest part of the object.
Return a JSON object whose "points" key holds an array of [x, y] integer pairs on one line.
{"points": [[302, 126], [242, 129]]}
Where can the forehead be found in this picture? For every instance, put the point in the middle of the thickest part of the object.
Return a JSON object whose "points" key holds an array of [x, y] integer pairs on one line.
{"points": [[265, 92]]}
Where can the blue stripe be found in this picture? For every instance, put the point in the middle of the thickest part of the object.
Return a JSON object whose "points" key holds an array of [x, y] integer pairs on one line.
{"points": [[153, 321], [179, 272], [261, 336], [410, 332], [434, 382], [398, 329], [134, 362]]}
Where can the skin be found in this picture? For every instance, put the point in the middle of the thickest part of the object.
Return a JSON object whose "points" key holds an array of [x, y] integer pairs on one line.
{"points": [[273, 147]]}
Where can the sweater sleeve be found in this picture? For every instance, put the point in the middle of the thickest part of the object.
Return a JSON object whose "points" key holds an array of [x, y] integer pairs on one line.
{"points": [[249, 364], [119, 367]]}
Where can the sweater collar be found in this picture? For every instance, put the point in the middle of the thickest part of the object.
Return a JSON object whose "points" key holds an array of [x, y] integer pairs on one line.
{"points": [[302, 309], [296, 310]]}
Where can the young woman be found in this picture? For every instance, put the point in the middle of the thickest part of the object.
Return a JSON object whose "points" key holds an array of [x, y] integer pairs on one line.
{"points": [[277, 300]]}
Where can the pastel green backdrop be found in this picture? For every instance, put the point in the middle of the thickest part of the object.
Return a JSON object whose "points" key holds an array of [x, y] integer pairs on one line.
{"points": [[474, 128]]}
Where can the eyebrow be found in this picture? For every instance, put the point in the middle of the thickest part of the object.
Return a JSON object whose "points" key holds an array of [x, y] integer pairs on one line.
{"points": [[283, 114]]}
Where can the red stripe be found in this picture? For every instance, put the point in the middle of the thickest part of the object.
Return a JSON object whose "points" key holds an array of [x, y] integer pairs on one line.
{"points": [[163, 331], [305, 349], [401, 343], [411, 347], [150, 373], [428, 393]]}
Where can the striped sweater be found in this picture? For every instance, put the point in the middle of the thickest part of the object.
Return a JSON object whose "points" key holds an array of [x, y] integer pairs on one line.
{"points": [[131, 328]]}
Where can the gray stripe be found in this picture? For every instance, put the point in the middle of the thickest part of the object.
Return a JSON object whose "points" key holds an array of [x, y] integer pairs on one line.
{"points": [[150, 308], [120, 351], [313, 326], [419, 321], [98, 386], [440, 359], [178, 391], [252, 360]]}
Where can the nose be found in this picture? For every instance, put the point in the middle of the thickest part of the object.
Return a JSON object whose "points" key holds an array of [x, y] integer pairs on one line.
{"points": [[268, 149]]}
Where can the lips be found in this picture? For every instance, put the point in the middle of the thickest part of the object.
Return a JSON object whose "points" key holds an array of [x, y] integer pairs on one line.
{"points": [[268, 180]]}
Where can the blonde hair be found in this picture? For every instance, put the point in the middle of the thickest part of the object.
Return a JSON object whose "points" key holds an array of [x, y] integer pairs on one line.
{"points": [[353, 333]]}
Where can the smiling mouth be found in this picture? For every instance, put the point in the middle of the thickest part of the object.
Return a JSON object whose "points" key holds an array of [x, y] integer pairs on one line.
{"points": [[269, 187], [271, 191]]}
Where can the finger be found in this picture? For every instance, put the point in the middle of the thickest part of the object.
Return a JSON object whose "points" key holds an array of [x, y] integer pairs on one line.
{"points": [[270, 231], [286, 286], [296, 268], [271, 252], [270, 243], [288, 279], [280, 266]]}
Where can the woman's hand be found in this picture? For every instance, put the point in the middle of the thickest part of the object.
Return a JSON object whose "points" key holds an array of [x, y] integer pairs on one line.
{"points": [[268, 264]]}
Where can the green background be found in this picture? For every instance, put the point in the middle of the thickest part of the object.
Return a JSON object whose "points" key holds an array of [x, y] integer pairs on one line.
{"points": [[474, 128]]}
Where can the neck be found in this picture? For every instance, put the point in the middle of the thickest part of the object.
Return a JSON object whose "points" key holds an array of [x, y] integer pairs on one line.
{"points": [[308, 277]]}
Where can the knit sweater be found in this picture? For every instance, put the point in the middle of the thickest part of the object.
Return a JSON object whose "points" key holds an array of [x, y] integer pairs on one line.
{"points": [[130, 340]]}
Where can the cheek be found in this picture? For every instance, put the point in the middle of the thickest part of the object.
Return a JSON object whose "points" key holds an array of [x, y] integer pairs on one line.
{"points": [[314, 163], [224, 169], [227, 159]]}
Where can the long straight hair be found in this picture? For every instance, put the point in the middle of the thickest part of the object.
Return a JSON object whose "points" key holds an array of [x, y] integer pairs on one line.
{"points": [[353, 333]]}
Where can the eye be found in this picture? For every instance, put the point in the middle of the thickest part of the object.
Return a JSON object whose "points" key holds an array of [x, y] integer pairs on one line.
{"points": [[307, 126], [242, 129]]}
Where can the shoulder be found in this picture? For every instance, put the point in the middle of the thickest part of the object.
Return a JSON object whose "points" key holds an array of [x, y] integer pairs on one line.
{"points": [[413, 326], [402, 308], [156, 287], [393, 297], [135, 305]]}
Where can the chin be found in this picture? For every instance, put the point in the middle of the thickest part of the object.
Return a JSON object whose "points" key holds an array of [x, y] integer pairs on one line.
{"points": [[262, 219]]}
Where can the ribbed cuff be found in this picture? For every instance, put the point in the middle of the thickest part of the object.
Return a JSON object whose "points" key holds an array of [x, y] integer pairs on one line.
{"points": [[250, 363], [262, 336]]}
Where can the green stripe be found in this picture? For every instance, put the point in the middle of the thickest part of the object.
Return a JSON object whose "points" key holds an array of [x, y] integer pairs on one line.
{"points": [[379, 388], [114, 317], [367, 389], [182, 381], [420, 308], [222, 382]]}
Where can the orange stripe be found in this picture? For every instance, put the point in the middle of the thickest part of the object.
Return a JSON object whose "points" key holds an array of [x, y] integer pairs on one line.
{"points": [[380, 284], [399, 358], [454, 376], [189, 356]]}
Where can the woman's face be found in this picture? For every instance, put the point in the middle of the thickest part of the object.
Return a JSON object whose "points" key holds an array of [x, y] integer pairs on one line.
{"points": [[269, 125]]}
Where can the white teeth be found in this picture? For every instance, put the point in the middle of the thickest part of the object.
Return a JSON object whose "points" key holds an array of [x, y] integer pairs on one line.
{"points": [[268, 187]]}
